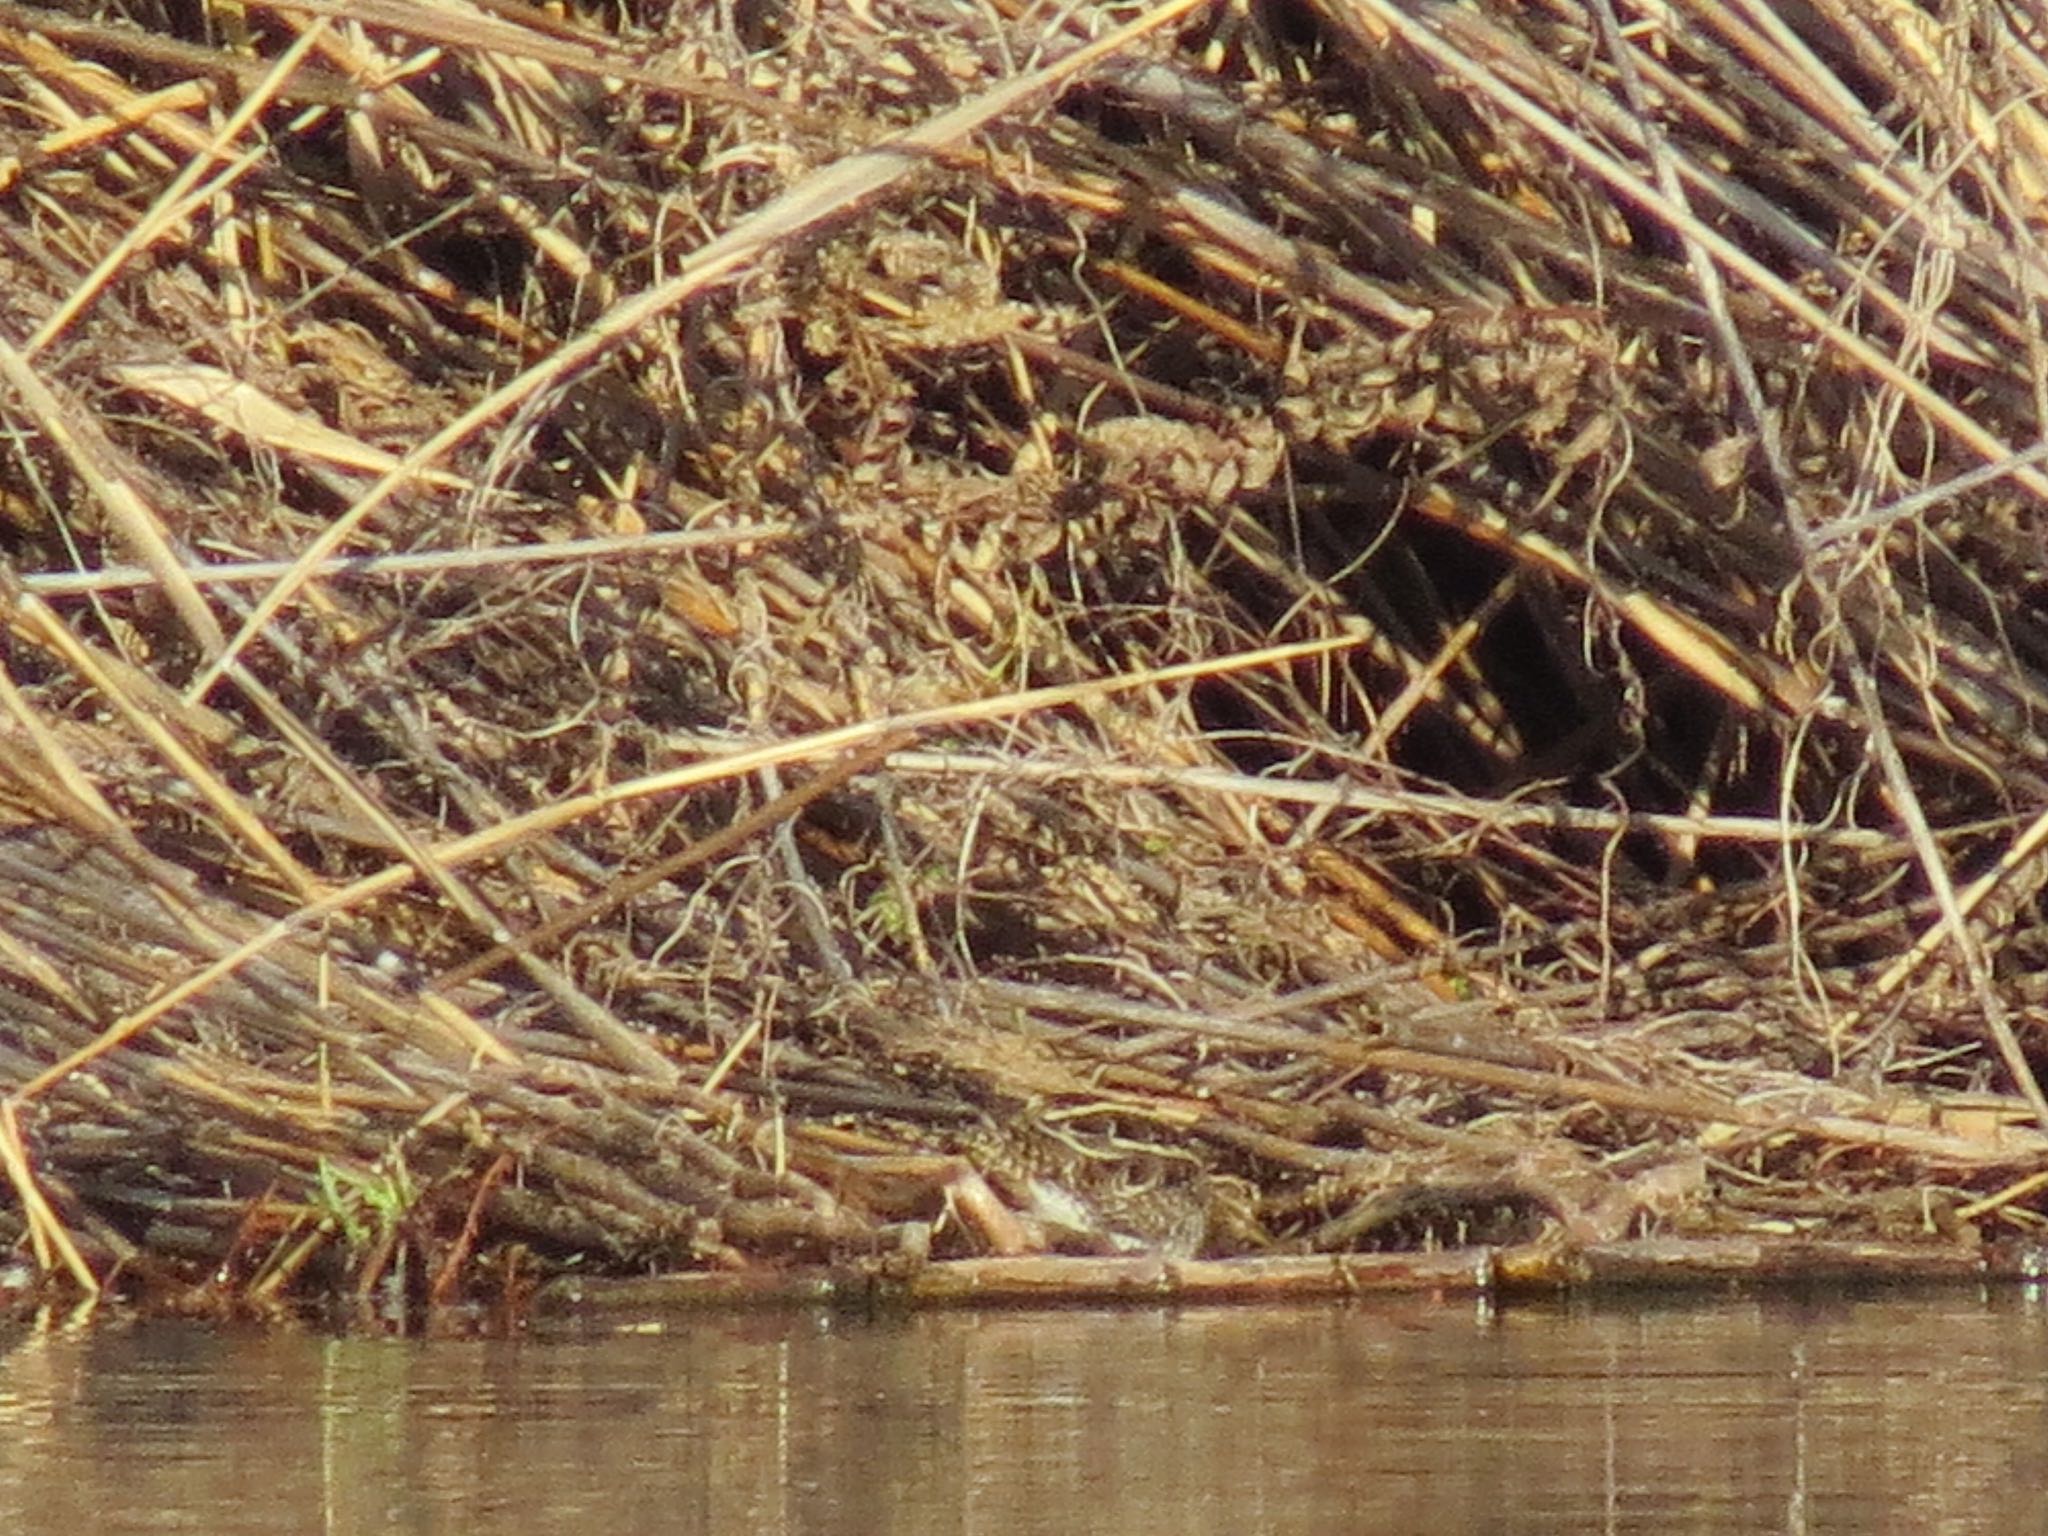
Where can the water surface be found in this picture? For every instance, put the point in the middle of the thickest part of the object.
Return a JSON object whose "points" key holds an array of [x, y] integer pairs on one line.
{"points": [[1921, 1413]]}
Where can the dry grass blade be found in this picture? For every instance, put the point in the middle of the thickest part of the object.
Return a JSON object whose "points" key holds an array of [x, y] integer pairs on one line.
{"points": [[140, 525], [33, 618], [52, 1244], [181, 197]]}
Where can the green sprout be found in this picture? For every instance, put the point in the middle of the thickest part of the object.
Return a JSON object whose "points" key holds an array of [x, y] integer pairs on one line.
{"points": [[365, 1204]]}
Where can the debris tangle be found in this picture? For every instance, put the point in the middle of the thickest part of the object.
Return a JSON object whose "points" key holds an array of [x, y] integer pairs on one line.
{"points": [[668, 638]]}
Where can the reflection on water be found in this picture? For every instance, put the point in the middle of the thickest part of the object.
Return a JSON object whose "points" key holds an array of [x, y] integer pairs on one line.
{"points": [[1926, 1413]]}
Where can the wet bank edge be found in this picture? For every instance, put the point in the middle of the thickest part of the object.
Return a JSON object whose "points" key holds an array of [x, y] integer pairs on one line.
{"points": [[1535, 1270]]}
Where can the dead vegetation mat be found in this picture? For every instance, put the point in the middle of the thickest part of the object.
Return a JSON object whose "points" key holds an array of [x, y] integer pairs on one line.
{"points": [[712, 637]]}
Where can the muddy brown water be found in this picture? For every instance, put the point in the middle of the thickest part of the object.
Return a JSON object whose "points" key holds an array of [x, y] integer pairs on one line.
{"points": [[1878, 1414]]}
